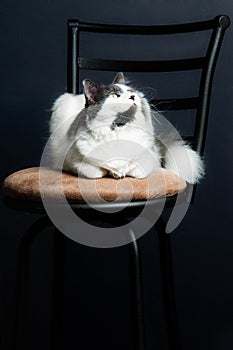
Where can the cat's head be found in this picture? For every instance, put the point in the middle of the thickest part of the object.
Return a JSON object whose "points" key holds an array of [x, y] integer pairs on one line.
{"points": [[118, 93]]}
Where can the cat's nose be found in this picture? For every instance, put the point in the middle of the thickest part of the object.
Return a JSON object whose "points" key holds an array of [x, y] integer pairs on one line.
{"points": [[132, 97]]}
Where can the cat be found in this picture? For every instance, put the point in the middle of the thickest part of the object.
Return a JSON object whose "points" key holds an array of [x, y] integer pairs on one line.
{"points": [[112, 130]]}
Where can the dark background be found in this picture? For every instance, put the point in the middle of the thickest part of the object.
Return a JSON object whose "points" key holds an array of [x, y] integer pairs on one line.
{"points": [[95, 308]]}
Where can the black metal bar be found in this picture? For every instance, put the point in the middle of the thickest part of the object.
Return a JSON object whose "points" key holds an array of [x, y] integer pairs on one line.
{"points": [[136, 293], [168, 286], [22, 279], [141, 66], [207, 80], [143, 30], [57, 340], [72, 59]]}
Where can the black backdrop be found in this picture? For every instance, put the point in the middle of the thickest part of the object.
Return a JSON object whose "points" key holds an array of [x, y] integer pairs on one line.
{"points": [[96, 294]]}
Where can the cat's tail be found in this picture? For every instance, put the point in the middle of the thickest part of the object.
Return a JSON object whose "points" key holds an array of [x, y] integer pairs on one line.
{"points": [[181, 159]]}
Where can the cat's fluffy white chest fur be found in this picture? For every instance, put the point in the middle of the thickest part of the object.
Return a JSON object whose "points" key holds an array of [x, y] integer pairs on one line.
{"points": [[126, 151]]}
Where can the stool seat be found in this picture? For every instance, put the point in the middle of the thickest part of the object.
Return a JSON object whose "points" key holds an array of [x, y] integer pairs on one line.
{"points": [[27, 184]]}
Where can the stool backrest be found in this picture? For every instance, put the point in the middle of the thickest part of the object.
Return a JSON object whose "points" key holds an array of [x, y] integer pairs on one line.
{"points": [[206, 64]]}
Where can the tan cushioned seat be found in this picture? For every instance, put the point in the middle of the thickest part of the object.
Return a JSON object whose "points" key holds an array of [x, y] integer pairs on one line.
{"points": [[26, 185]]}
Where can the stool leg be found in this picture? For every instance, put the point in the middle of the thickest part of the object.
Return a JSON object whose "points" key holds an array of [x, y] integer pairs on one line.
{"points": [[22, 278], [57, 291], [168, 286], [136, 293]]}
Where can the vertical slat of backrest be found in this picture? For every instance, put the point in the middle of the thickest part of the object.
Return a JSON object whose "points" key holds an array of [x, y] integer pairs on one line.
{"points": [[72, 57], [222, 23]]}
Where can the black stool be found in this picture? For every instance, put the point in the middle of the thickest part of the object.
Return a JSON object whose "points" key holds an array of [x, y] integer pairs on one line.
{"points": [[21, 196]]}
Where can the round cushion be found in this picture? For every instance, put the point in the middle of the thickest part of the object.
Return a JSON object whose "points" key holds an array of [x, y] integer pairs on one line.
{"points": [[29, 184]]}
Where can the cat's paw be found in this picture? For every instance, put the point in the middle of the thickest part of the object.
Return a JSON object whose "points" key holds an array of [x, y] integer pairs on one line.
{"points": [[118, 175], [138, 173], [91, 171], [118, 169]]}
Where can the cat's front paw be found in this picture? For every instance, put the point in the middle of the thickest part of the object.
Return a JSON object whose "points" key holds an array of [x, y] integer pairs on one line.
{"points": [[118, 175], [138, 173], [90, 171], [118, 169]]}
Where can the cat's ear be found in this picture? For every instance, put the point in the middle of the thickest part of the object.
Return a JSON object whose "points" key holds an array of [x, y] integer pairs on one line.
{"points": [[90, 91], [119, 79]]}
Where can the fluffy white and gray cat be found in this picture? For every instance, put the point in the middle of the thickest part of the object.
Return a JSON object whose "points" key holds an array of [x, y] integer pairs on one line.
{"points": [[112, 130]]}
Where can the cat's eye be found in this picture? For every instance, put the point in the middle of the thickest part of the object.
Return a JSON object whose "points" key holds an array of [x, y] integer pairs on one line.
{"points": [[130, 91], [114, 95]]}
